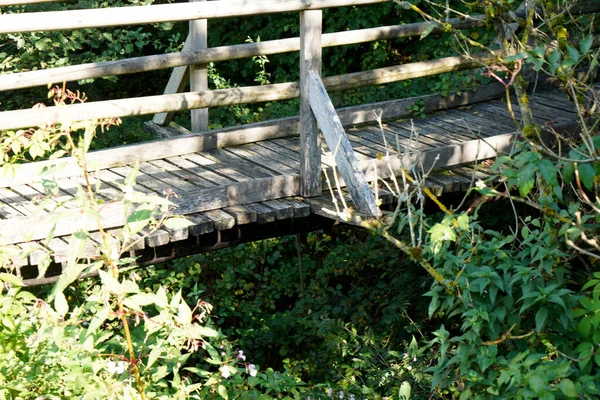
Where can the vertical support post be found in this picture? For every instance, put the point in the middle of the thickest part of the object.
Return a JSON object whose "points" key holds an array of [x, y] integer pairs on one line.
{"points": [[198, 73], [310, 142]]}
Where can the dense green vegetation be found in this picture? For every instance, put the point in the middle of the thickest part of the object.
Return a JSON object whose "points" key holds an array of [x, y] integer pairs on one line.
{"points": [[497, 299]]}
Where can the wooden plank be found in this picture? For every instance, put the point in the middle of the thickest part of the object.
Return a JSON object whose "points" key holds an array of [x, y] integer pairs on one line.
{"points": [[242, 214], [257, 156], [201, 224], [16, 230], [264, 214], [197, 166], [104, 17], [176, 84], [301, 209], [282, 209], [284, 127], [187, 175], [146, 105], [221, 219], [336, 138], [449, 181], [157, 238], [180, 60], [198, 72], [239, 193], [311, 25]]}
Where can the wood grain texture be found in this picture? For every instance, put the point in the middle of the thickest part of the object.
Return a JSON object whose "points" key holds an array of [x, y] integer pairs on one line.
{"points": [[96, 18], [338, 143], [310, 141]]}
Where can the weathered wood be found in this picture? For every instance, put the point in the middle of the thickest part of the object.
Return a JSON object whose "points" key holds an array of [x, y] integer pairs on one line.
{"points": [[338, 143], [310, 142], [157, 238], [406, 71], [234, 136], [176, 84], [221, 219], [7, 3], [179, 60], [282, 209], [146, 105], [198, 72], [242, 214], [104, 17], [301, 210], [27, 228], [264, 214], [201, 224]]}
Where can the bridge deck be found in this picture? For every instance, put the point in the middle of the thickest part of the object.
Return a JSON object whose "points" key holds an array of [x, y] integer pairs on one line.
{"points": [[257, 183]]}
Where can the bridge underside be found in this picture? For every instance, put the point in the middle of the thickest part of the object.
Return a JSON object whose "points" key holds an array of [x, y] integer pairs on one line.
{"points": [[250, 192]]}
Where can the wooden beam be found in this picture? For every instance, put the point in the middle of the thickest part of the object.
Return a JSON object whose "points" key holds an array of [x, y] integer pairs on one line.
{"points": [[345, 159], [176, 84], [104, 17], [7, 3], [25, 229], [284, 127], [146, 105], [311, 23], [44, 77], [198, 72]]}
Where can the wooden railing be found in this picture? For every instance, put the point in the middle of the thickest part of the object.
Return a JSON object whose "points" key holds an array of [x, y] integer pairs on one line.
{"points": [[310, 44]]}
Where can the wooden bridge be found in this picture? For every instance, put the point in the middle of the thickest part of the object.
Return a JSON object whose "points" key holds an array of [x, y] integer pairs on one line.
{"points": [[254, 181]]}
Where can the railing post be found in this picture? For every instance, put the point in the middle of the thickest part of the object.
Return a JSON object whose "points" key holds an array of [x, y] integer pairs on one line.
{"points": [[310, 142], [198, 73]]}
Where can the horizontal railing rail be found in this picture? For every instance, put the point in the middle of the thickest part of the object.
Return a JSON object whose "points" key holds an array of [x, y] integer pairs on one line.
{"points": [[310, 44]]}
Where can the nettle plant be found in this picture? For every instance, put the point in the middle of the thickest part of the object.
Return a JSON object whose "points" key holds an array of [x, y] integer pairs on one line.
{"points": [[109, 338], [518, 304]]}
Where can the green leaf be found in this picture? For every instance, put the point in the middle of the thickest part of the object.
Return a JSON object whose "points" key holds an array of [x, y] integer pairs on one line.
{"points": [[60, 304], [427, 30], [441, 232], [537, 384], [548, 171], [568, 171], [405, 391], [153, 356], [98, 319], [587, 173], [463, 222], [222, 391], [568, 388], [132, 175], [10, 278], [584, 327], [540, 318], [586, 44], [525, 186]]}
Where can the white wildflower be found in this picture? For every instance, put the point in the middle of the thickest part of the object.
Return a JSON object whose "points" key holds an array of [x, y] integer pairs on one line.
{"points": [[116, 367], [341, 394], [252, 369], [330, 392], [241, 355], [225, 371]]}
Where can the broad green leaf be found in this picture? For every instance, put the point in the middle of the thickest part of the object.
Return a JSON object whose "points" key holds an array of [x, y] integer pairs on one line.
{"points": [[586, 44], [110, 284], [587, 174], [143, 299], [139, 219], [222, 391], [405, 391], [568, 387], [568, 171], [441, 232], [98, 319], [427, 30], [60, 304], [540, 318], [584, 327], [153, 356], [548, 171], [463, 222], [10, 278], [525, 186], [537, 384]]}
